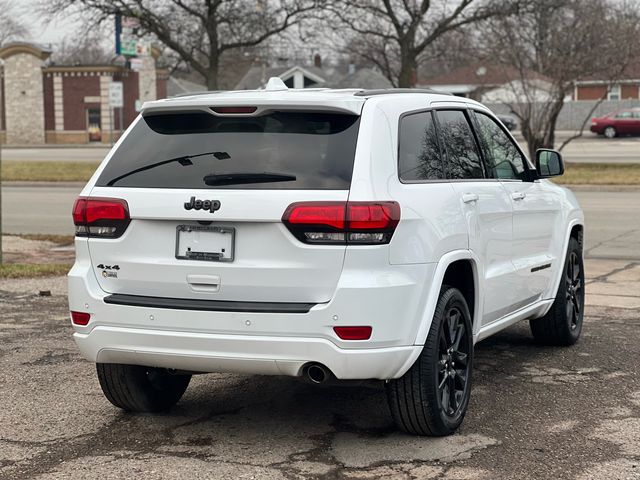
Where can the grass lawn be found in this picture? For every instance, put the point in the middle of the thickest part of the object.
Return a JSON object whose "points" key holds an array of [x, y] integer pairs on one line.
{"points": [[26, 270], [575, 174], [60, 240], [13, 171], [600, 174]]}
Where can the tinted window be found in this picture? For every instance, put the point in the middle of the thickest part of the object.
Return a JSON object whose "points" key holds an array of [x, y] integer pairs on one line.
{"points": [[503, 158], [163, 151], [623, 115], [463, 160], [419, 155]]}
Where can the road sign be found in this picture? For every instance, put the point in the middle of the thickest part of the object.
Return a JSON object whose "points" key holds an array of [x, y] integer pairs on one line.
{"points": [[116, 99]]}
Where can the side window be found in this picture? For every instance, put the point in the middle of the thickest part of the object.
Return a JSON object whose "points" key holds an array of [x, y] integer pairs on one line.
{"points": [[463, 159], [418, 152], [503, 157]]}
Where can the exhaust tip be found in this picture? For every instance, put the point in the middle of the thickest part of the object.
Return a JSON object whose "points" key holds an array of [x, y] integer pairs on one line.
{"points": [[317, 373]]}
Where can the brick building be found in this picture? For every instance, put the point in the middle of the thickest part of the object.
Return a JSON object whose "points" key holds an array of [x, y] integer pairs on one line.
{"points": [[44, 103], [627, 87]]}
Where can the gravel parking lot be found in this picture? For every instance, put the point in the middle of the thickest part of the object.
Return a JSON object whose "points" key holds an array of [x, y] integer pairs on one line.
{"points": [[536, 412]]}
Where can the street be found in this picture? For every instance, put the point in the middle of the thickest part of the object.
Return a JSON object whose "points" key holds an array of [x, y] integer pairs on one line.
{"points": [[536, 412], [613, 223], [588, 149]]}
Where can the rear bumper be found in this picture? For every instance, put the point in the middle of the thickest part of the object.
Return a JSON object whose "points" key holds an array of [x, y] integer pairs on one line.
{"points": [[391, 301], [240, 353]]}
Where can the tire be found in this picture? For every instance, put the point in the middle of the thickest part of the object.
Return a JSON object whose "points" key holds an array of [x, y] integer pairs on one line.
{"points": [[562, 324], [141, 389], [610, 132], [421, 401]]}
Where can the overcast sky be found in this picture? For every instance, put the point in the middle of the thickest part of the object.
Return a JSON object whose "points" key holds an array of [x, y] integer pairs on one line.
{"points": [[41, 32]]}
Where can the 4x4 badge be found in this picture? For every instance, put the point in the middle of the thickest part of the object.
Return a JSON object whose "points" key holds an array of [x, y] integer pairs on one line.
{"points": [[211, 205]]}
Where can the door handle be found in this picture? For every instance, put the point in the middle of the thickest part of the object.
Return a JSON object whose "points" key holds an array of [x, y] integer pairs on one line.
{"points": [[470, 197], [518, 195]]}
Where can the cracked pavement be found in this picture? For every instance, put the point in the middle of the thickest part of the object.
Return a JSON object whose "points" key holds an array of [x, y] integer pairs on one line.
{"points": [[535, 413]]}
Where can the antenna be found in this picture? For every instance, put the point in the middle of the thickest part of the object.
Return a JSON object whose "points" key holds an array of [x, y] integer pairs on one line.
{"points": [[276, 84]]}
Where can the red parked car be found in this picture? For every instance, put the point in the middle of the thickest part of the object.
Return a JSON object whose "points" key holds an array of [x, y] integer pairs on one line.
{"points": [[622, 122]]}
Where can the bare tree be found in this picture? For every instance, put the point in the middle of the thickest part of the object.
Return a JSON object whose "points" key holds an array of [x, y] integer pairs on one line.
{"points": [[199, 32], [393, 34], [554, 43], [10, 27], [81, 49]]}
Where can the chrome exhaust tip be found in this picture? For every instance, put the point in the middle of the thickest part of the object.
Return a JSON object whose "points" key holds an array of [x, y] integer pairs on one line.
{"points": [[317, 373]]}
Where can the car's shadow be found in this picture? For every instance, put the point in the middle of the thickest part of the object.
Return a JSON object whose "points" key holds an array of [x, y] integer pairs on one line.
{"points": [[221, 405]]}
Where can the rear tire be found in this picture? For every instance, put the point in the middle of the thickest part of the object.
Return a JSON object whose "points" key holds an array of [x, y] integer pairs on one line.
{"points": [[432, 397], [141, 389], [563, 322], [610, 132]]}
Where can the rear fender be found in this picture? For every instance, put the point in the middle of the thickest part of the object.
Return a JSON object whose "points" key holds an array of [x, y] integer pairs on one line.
{"points": [[436, 285]]}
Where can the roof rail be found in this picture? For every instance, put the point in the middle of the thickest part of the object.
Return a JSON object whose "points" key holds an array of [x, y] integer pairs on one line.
{"points": [[384, 91]]}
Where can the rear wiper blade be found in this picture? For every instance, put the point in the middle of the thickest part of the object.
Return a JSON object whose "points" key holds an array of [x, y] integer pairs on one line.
{"points": [[184, 160], [237, 178]]}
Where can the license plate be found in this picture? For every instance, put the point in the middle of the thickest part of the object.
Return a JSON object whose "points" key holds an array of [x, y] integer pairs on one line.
{"points": [[207, 243]]}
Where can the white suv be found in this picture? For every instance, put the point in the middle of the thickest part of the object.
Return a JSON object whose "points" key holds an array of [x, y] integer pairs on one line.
{"points": [[343, 234]]}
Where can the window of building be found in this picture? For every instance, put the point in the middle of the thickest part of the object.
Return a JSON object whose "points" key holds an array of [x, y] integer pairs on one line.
{"points": [[503, 158], [418, 152], [463, 158], [93, 125], [614, 92]]}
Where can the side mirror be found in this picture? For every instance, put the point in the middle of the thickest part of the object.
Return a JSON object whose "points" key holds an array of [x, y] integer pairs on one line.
{"points": [[549, 163]]}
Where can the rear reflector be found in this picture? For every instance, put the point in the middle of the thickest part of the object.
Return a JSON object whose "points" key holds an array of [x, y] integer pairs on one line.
{"points": [[234, 110], [364, 223], [80, 318], [100, 217], [353, 333]]}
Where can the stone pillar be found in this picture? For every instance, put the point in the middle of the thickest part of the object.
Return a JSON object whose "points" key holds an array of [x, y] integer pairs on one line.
{"points": [[58, 103], [24, 102], [105, 109], [147, 80]]}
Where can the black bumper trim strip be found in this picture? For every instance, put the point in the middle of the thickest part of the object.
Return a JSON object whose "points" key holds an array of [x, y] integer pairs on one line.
{"points": [[207, 305]]}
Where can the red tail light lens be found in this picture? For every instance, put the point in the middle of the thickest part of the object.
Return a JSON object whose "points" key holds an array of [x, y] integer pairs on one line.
{"points": [[365, 223], [100, 217], [353, 333], [80, 318]]}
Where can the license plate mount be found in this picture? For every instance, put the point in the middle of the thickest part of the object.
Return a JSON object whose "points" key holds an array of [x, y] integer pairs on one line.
{"points": [[208, 243]]}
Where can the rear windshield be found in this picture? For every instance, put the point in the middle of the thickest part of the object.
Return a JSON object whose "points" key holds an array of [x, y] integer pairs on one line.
{"points": [[281, 150]]}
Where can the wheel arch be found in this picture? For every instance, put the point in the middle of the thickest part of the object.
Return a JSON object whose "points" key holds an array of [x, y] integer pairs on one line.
{"points": [[575, 230], [460, 269]]}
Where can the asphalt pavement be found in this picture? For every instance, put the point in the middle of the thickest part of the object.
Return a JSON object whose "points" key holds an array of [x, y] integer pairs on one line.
{"points": [[613, 222], [535, 413]]}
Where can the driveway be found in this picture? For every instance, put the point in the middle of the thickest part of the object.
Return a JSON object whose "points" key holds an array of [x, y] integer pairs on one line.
{"points": [[536, 412]]}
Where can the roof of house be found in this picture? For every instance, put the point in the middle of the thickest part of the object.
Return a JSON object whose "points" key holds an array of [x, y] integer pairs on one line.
{"points": [[180, 86], [330, 77], [479, 74], [632, 72]]}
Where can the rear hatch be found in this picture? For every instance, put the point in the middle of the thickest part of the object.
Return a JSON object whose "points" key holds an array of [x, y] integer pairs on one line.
{"points": [[206, 192]]}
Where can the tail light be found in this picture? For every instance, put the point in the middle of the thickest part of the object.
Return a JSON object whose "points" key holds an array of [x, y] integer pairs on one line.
{"points": [[353, 333], [80, 318], [341, 223], [100, 217]]}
